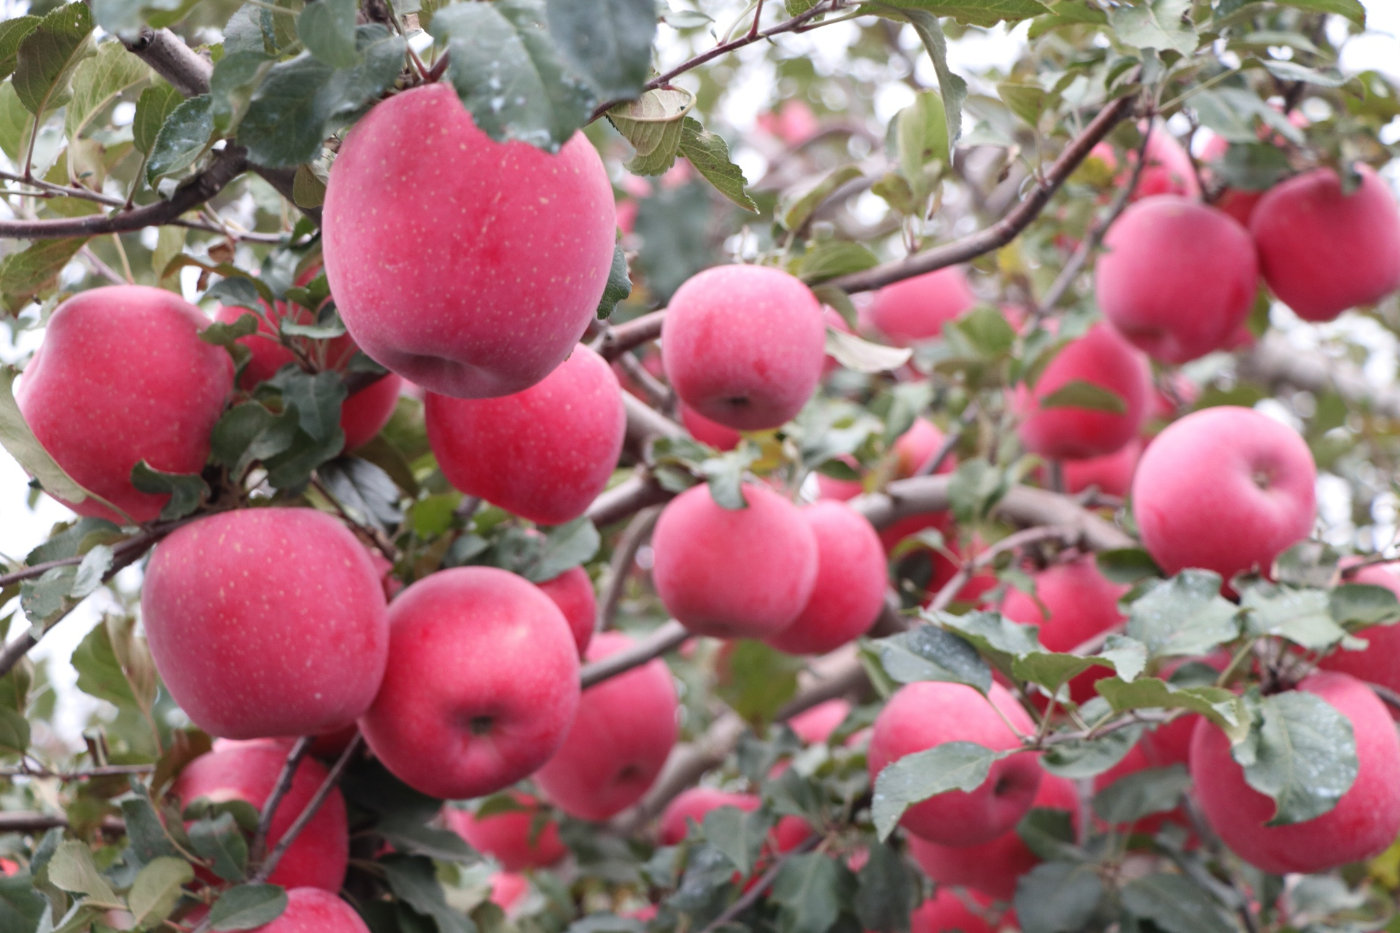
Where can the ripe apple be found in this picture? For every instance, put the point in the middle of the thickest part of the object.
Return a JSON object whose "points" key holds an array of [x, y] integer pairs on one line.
{"points": [[266, 622], [1167, 169], [709, 432], [543, 453], [1379, 661], [1066, 432], [692, 804], [481, 686], [1224, 489], [572, 592], [311, 910], [744, 345], [121, 377], [625, 729], [1363, 823], [507, 888], [1323, 250], [518, 839], [924, 715], [946, 911], [248, 771], [916, 309], [816, 724], [468, 266], [752, 587], [850, 583], [1178, 279]]}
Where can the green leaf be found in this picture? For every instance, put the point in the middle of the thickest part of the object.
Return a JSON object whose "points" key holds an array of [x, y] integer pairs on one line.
{"points": [[1082, 758], [808, 891], [145, 832], [710, 155], [930, 653], [1128, 657], [220, 840], [327, 29], [414, 881], [1080, 394], [653, 124], [113, 664], [608, 42], [1125, 565], [619, 284], [48, 55], [1058, 897], [1052, 670], [975, 489], [1163, 25], [565, 547], [99, 80], [986, 331], [739, 834], [14, 732], [73, 870], [1222, 707], [862, 356], [995, 636], [1142, 793], [12, 33], [1358, 605], [1302, 616], [1183, 616], [885, 889], [182, 138], [952, 88], [247, 906], [156, 889], [1353, 10], [30, 271], [757, 680], [364, 490], [1292, 71], [409, 835], [1176, 904], [977, 12], [21, 906], [796, 204], [127, 16], [915, 778], [827, 259], [250, 432], [920, 137], [509, 73], [187, 491], [1301, 753]]}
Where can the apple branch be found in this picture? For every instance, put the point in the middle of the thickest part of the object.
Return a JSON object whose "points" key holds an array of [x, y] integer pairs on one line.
{"points": [[620, 567], [617, 340], [269, 864], [27, 821], [1064, 534], [279, 790], [667, 636], [753, 893], [626, 498], [1275, 363]]}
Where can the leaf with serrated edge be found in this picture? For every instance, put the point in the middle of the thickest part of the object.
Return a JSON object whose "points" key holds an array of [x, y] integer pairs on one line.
{"points": [[247, 906], [1155, 24], [928, 653], [73, 870], [915, 778], [861, 355], [157, 888], [48, 55], [1303, 756], [99, 80], [710, 156]]}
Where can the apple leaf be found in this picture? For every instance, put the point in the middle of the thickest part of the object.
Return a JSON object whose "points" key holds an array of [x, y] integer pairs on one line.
{"points": [[653, 124], [738, 833], [1083, 758], [952, 87], [809, 890], [1183, 616], [931, 653], [619, 284], [12, 33], [1049, 833], [413, 837], [1302, 616], [187, 491], [795, 205], [1058, 897], [97, 81], [1222, 707], [1053, 670], [995, 637], [364, 490], [219, 840], [885, 889], [755, 680], [986, 332], [563, 548], [14, 732], [709, 153], [1163, 25], [73, 870], [21, 906], [145, 831], [413, 880], [114, 664], [327, 29], [977, 12], [182, 138], [861, 355], [915, 778], [1301, 752], [1359, 605], [156, 889], [1142, 793], [608, 42], [1080, 394], [1176, 903], [247, 907], [1353, 10], [32, 270], [1126, 565], [827, 259], [128, 16], [48, 54]]}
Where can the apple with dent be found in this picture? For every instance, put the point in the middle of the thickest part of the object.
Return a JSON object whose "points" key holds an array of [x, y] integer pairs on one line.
{"points": [[544, 453], [744, 345], [1323, 250], [925, 715], [311, 910], [916, 308], [249, 771], [467, 266], [1224, 489], [1379, 661], [518, 839], [266, 622], [481, 686], [1178, 279], [754, 586], [121, 377], [1363, 823], [572, 592], [625, 729]]}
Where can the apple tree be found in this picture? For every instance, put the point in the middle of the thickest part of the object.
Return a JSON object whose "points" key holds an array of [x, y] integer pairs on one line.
{"points": [[608, 465]]}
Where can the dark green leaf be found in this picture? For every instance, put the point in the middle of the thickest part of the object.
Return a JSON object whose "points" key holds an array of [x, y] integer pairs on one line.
{"points": [[144, 830], [412, 836], [1125, 565], [327, 29], [250, 432], [725, 474], [1183, 616], [364, 490], [1162, 25], [619, 284], [915, 778], [608, 42], [995, 636], [1176, 904], [565, 547], [1302, 753], [977, 12], [862, 356], [14, 732], [187, 491], [248, 906], [1049, 833], [1080, 394], [885, 890], [1301, 616], [930, 653], [21, 907], [1357, 605], [182, 138], [710, 155], [156, 889], [986, 331], [414, 881], [32, 270], [12, 33], [808, 891], [828, 259], [220, 841], [153, 108], [48, 54], [739, 834], [975, 489], [1082, 758], [1050, 670], [1142, 793], [1058, 897]]}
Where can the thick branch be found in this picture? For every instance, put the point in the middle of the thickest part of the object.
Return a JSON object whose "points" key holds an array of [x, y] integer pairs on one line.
{"points": [[668, 636], [616, 341], [624, 499]]}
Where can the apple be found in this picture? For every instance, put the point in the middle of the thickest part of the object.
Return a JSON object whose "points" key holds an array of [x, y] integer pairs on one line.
{"points": [[1111, 474], [1379, 661], [1067, 432], [692, 804], [915, 309], [481, 686], [756, 584], [518, 839], [266, 622], [850, 583], [572, 592], [946, 911], [1363, 823], [311, 910], [815, 725], [709, 432], [1224, 489], [121, 377], [468, 266], [924, 715], [625, 729], [793, 123], [1178, 279], [744, 345], [1323, 250], [507, 889], [1167, 170], [543, 453], [249, 771]]}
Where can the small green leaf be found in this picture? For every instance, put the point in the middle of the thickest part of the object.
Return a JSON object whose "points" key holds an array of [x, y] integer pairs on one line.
{"points": [[710, 155], [219, 840], [1302, 753], [1183, 616], [1176, 904], [795, 205], [31, 271], [1221, 706], [414, 881], [827, 259], [975, 489], [1125, 565], [862, 356], [99, 80], [995, 636], [182, 138], [885, 889], [1301, 616], [125, 17], [1142, 793], [977, 12], [930, 653], [73, 870], [986, 331], [187, 491], [565, 547], [48, 54], [653, 124], [739, 834], [1358, 605], [1292, 71], [1083, 758], [145, 832], [608, 42], [809, 890], [757, 680], [1163, 25], [915, 778], [1058, 897], [247, 907], [156, 889], [619, 284], [1052, 670], [1080, 394], [113, 664], [364, 490], [14, 732], [327, 29], [952, 87]]}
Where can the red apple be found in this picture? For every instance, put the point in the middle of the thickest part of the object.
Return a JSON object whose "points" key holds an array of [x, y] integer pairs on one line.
{"points": [[518, 839], [1363, 823], [744, 345], [1140, 758], [1224, 489], [266, 622], [709, 432], [1111, 474], [481, 686], [544, 453], [469, 266], [572, 592], [924, 715], [753, 586], [507, 888], [916, 308], [1323, 250], [692, 804], [625, 729], [946, 911], [1379, 661], [122, 377], [1168, 168], [816, 724], [311, 910]]}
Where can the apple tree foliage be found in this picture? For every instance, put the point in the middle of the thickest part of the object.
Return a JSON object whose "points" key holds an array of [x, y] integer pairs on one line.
{"points": [[187, 145]]}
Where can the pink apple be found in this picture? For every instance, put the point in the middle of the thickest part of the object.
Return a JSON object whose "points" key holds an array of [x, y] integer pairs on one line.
{"points": [[816, 724], [793, 122], [1111, 474], [266, 622], [1379, 661], [946, 911], [507, 889], [518, 839], [1168, 168], [1323, 250], [122, 377], [481, 686], [744, 345], [311, 910], [625, 729], [468, 266], [709, 432], [924, 715], [543, 453], [917, 308], [753, 586], [1363, 823], [1178, 278], [1224, 489], [692, 804], [572, 592]]}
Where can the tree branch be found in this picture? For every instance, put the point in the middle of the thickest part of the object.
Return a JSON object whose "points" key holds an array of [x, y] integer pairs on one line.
{"points": [[626, 498], [620, 567], [667, 636], [617, 340], [279, 790], [1275, 363]]}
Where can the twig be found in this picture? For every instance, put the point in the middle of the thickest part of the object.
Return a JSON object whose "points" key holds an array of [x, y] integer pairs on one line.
{"points": [[279, 790], [620, 567], [657, 393], [25, 821], [86, 774], [1012, 542], [617, 340], [950, 443], [760, 887], [626, 498], [269, 864], [667, 636]]}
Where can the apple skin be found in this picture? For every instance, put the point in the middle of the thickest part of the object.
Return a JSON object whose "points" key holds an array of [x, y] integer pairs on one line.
{"points": [[311, 910], [1379, 661], [1168, 168], [625, 729], [1100, 357], [248, 771], [709, 432], [1363, 823], [923, 715], [121, 377], [266, 622], [1322, 251], [1178, 279], [507, 889], [511, 837], [692, 804], [815, 725], [916, 309], [544, 453], [850, 585], [572, 592], [744, 345], [754, 586], [946, 911], [467, 266], [481, 687], [1224, 489]]}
